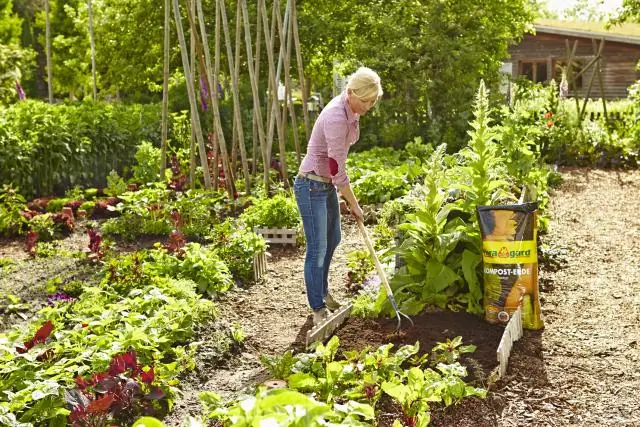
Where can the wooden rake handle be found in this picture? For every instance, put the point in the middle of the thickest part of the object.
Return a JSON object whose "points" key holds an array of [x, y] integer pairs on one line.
{"points": [[372, 251]]}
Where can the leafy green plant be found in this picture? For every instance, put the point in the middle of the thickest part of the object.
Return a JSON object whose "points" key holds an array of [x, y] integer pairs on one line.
{"points": [[279, 406], [75, 193], [237, 332], [49, 250], [485, 181], [152, 319], [115, 184], [450, 351], [360, 264], [44, 226], [238, 247], [56, 205], [147, 167], [196, 263], [57, 146], [279, 366], [348, 388], [440, 259], [12, 204], [381, 186], [280, 211]]}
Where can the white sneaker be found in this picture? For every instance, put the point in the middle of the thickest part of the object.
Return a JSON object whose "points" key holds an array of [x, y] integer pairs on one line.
{"points": [[320, 315], [332, 304]]}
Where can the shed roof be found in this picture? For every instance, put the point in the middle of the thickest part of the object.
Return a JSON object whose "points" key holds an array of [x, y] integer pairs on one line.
{"points": [[626, 33]]}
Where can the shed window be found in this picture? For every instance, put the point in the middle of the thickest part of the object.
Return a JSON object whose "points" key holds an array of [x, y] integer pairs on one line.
{"points": [[536, 71]]}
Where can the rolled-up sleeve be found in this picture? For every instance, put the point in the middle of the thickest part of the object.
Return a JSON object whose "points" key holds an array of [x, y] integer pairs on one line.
{"points": [[335, 132]]}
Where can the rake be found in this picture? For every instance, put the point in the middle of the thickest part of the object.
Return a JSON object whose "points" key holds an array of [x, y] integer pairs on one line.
{"points": [[383, 277], [325, 329]]}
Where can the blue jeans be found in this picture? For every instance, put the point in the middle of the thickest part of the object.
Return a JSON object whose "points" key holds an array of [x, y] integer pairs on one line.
{"points": [[320, 211]]}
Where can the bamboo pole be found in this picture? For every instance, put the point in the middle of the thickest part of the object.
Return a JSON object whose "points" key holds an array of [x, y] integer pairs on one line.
{"points": [[236, 70], [254, 87], [48, 49], [303, 82], [165, 91], [287, 90], [270, 78], [191, 92], [192, 140], [93, 50], [275, 77], [601, 82], [236, 97], [213, 92], [257, 73], [597, 54], [570, 54]]}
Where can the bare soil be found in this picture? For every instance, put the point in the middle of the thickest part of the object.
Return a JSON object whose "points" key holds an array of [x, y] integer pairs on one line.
{"points": [[579, 371]]}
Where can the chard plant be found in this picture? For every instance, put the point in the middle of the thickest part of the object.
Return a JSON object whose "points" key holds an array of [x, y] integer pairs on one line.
{"points": [[345, 389]]}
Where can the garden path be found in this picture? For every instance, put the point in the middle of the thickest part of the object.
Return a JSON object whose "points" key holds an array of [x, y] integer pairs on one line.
{"points": [[582, 369]]}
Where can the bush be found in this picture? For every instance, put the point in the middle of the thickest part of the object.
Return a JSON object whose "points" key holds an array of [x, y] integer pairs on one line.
{"points": [[46, 149]]}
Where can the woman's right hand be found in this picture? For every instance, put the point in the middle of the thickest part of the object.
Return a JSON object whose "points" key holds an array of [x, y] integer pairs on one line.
{"points": [[356, 211]]}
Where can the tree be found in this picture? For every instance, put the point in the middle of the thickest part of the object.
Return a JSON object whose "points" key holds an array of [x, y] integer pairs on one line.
{"points": [[430, 55], [10, 24], [630, 12], [586, 10]]}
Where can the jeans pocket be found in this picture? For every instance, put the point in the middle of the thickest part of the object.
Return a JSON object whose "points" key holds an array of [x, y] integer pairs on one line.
{"points": [[315, 186]]}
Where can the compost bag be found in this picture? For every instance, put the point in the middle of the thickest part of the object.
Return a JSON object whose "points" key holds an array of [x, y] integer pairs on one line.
{"points": [[510, 257]]}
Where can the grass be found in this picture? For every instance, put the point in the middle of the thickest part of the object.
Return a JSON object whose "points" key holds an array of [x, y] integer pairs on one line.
{"points": [[627, 30]]}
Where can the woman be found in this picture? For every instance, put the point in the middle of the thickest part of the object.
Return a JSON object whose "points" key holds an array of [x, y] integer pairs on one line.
{"points": [[321, 171]]}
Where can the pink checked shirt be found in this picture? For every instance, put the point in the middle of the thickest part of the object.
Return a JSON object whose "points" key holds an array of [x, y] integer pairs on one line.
{"points": [[336, 129]]}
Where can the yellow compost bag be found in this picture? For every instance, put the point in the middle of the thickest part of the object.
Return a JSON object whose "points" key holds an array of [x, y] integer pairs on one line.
{"points": [[509, 251]]}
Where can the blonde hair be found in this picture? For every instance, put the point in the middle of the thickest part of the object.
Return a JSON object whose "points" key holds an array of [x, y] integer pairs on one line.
{"points": [[365, 84]]}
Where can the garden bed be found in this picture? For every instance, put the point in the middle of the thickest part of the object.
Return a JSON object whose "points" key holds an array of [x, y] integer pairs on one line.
{"points": [[575, 372], [429, 329]]}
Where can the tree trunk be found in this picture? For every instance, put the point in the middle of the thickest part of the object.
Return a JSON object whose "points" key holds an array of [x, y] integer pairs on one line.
{"points": [[192, 95]]}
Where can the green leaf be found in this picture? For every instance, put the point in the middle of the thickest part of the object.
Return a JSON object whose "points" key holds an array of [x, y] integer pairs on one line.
{"points": [[148, 422], [398, 391], [302, 381], [439, 277]]}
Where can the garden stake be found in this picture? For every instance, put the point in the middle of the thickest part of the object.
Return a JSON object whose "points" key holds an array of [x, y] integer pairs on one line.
{"points": [[383, 277]]}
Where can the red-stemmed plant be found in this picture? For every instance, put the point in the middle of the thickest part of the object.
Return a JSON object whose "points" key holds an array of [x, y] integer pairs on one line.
{"points": [[123, 391]]}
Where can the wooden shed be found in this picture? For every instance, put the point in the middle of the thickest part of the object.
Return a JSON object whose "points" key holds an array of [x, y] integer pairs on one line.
{"points": [[543, 55]]}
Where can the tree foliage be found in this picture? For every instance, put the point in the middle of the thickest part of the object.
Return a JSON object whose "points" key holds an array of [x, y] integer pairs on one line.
{"points": [[630, 12], [431, 55]]}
